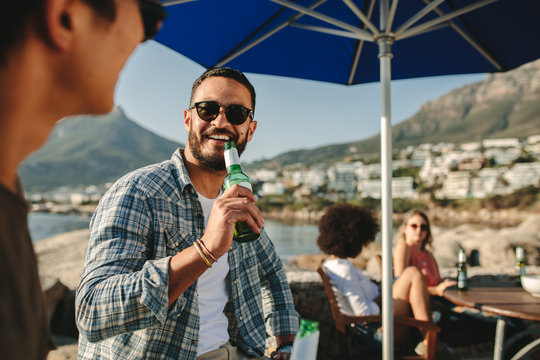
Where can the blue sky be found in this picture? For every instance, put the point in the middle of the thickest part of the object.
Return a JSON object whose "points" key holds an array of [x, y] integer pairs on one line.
{"points": [[292, 114]]}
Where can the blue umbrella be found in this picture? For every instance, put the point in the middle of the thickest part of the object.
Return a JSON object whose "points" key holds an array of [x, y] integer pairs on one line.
{"points": [[353, 42]]}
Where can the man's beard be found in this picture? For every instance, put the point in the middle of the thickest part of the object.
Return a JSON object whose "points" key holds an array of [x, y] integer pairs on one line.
{"points": [[214, 161]]}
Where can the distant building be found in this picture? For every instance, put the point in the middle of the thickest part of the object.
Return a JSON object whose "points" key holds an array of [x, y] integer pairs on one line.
{"points": [[472, 146], [501, 143], [368, 171], [419, 156], [488, 182], [265, 175], [342, 178], [443, 148], [457, 185], [502, 156], [313, 178], [533, 139], [369, 188], [402, 188], [472, 164], [272, 188], [521, 175]]}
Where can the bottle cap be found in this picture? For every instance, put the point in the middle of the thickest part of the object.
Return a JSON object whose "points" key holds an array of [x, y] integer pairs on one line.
{"points": [[461, 256], [307, 327], [520, 252]]}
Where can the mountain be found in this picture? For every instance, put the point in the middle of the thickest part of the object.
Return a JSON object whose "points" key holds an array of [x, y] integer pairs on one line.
{"points": [[93, 150], [503, 105]]}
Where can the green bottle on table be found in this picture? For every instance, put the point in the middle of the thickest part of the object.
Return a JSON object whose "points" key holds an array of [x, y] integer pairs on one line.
{"points": [[462, 280], [520, 264], [242, 232]]}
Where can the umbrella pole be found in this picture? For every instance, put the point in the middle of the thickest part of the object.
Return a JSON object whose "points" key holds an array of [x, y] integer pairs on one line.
{"points": [[385, 56]]}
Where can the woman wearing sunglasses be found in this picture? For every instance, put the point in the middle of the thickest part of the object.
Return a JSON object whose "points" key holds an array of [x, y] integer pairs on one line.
{"points": [[413, 249]]}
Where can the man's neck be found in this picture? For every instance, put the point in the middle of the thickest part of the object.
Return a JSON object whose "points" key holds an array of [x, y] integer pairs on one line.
{"points": [[28, 111], [206, 181]]}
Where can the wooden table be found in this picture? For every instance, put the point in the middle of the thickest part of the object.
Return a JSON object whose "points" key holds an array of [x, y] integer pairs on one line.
{"points": [[504, 300]]}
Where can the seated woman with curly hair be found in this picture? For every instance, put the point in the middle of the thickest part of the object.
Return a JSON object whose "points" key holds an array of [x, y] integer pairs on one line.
{"points": [[343, 231]]}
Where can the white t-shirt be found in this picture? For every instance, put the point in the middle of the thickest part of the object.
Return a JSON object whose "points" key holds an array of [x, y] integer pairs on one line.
{"points": [[354, 291], [213, 295]]}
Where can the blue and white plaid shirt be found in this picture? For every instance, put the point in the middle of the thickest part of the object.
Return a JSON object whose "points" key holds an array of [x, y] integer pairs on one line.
{"points": [[122, 307]]}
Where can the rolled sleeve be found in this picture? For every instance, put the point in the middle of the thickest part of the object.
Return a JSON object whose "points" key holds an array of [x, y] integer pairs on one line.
{"points": [[281, 317], [121, 290]]}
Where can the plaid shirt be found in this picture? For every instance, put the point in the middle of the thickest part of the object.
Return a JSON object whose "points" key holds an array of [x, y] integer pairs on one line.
{"points": [[122, 310]]}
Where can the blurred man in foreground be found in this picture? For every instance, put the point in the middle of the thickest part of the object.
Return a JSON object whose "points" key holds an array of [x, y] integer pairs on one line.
{"points": [[57, 58]]}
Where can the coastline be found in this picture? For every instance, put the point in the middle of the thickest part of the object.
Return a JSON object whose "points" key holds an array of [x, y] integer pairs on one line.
{"points": [[62, 257], [439, 215]]}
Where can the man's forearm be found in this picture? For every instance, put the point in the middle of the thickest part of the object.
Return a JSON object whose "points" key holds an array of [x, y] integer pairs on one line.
{"points": [[185, 267]]}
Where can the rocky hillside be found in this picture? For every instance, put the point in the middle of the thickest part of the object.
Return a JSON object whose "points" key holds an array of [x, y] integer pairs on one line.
{"points": [[93, 150], [503, 105]]}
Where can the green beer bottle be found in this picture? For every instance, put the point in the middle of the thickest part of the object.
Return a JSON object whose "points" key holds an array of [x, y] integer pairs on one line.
{"points": [[306, 341], [519, 264], [242, 232], [462, 280]]}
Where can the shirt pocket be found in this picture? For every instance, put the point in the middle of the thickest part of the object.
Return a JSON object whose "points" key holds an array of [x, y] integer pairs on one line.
{"points": [[178, 239]]}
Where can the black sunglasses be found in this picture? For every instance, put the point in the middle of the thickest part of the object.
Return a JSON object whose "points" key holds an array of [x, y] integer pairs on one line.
{"points": [[209, 110], [153, 14]]}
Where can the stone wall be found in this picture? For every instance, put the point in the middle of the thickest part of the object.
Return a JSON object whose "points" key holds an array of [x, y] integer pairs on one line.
{"points": [[311, 303]]}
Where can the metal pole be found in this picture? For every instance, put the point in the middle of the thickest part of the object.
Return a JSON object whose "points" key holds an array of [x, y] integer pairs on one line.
{"points": [[385, 56], [499, 339]]}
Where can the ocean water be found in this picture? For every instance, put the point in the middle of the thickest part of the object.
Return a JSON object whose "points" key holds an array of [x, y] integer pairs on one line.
{"points": [[44, 225], [289, 239]]}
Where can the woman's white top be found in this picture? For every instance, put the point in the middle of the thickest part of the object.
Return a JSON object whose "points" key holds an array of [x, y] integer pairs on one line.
{"points": [[355, 292]]}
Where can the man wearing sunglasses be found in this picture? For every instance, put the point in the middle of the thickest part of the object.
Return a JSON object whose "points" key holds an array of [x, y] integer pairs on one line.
{"points": [[163, 277], [57, 58]]}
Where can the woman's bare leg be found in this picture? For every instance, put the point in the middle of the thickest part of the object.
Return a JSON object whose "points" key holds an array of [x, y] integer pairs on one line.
{"points": [[409, 292]]}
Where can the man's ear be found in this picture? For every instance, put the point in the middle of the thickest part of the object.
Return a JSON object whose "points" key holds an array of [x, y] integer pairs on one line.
{"points": [[58, 22], [251, 130], [187, 119]]}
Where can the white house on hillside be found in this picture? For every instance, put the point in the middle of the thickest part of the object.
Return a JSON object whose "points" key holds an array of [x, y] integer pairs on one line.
{"points": [[402, 188], [457, 185], [501, 143], [524, 174]]}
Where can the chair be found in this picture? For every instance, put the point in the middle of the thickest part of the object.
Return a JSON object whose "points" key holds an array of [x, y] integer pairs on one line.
{"points": [[343, 321]]}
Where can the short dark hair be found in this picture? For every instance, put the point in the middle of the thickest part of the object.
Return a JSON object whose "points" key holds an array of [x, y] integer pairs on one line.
{"points": [[16, 16], [227, 73], [345, 229]]}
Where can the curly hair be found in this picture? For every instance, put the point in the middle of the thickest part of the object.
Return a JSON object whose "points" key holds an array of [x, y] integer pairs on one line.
{"points": [[426, 243], [345, 229]]}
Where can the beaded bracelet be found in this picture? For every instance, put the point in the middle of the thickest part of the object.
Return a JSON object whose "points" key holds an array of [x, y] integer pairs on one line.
{"points": [[202, 254], [200, 242]]}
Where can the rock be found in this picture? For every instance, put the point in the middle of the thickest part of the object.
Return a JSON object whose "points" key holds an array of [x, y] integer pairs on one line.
{"points": [[53, 292], [63, 319], [64, 352], [531, 224]]}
